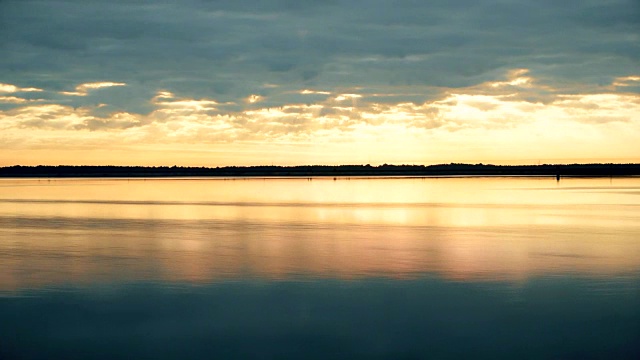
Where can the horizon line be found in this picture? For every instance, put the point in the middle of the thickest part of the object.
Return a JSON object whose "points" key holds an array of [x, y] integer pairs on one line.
{"points": [[323, 165]]}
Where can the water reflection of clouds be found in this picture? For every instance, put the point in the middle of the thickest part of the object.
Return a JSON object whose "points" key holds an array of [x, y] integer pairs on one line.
{"points": [[203, 252], [417, 214], [211, 230]]}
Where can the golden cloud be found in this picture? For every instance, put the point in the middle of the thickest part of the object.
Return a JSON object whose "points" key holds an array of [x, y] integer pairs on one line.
{"points": [[483, 121]]}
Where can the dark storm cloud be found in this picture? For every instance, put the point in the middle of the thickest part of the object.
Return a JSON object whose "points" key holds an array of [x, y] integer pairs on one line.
{"points": [[228, 50]]}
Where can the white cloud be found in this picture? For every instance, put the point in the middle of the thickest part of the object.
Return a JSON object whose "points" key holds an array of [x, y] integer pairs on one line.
{"points": [[13, 100], [83, 89], [311, 92], [253, 98], [173, 105], [9, 88], [343, 97]]}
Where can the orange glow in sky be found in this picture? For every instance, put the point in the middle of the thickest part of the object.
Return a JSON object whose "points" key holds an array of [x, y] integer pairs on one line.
{"points": [[495, 122]]}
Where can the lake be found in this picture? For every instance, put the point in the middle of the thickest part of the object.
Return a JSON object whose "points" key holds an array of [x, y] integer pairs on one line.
{"points": [[320, 268]]}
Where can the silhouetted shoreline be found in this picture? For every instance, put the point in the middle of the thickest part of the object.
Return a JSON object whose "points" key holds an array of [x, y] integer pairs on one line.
{"points": [[573, 170]]}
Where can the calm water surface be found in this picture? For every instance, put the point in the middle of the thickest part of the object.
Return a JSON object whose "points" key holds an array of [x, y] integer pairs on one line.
{"points": [[299, 268]]}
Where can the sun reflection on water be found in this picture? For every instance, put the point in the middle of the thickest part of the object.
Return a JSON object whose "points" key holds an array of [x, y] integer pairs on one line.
{"points": [[203, 230]]}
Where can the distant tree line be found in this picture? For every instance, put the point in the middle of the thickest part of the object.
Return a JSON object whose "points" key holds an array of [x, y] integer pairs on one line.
{"points": [[452, 169]]}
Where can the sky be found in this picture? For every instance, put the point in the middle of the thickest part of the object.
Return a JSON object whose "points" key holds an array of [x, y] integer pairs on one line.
{"points": [[292, 82]]}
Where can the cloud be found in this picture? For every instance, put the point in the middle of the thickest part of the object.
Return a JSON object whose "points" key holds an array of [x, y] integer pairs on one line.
{"points": [[83, 89], [253, 98], [500, 104], [229, 50], [343, 97], [625, 81], [276, 71], [313, 92], [12, 100], [8, 88]]}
